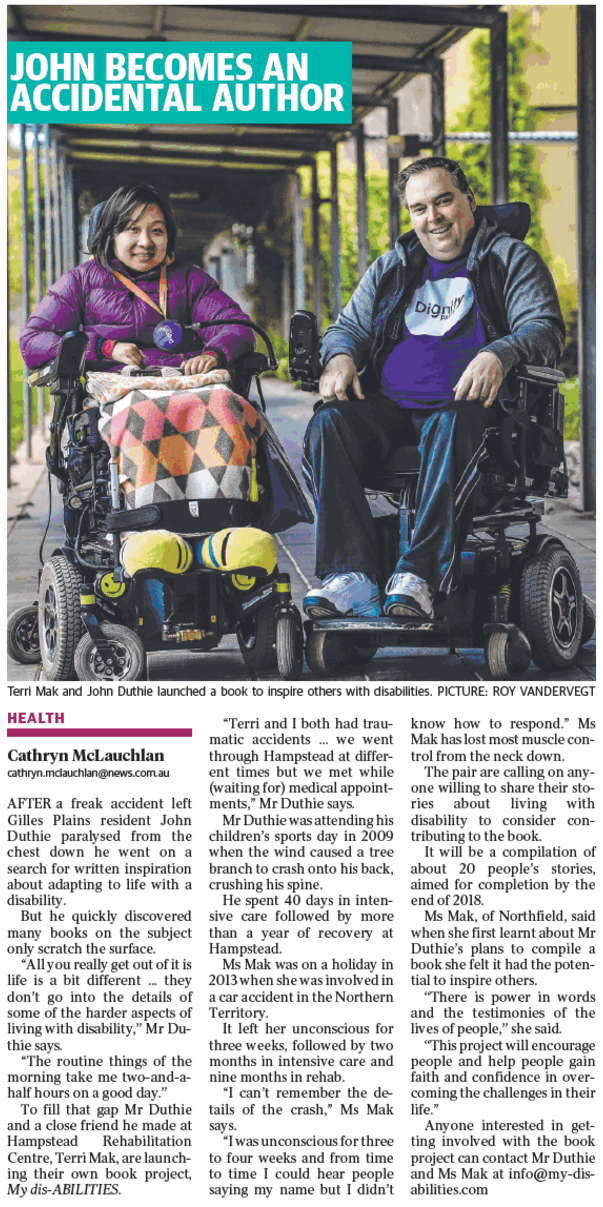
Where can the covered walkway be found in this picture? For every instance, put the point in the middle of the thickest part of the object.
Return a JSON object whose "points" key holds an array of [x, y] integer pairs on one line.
{"points": [[214, 173]]}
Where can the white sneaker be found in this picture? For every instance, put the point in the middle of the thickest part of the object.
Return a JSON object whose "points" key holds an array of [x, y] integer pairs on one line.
{"points": [[409, 596], [345, 594]]}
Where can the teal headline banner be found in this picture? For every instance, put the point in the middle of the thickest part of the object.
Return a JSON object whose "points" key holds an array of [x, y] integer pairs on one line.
{"points": [[204, 83]]}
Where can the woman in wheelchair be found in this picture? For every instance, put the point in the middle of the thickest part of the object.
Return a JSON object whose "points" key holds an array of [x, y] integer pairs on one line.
{"points": [[133, 281], [154, 457]]}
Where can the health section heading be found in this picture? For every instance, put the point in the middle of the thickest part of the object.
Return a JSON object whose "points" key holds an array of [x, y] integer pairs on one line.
{"points": [[216, 83]]}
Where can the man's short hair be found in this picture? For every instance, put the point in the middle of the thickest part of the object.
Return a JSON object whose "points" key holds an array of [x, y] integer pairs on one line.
{"points": [[426, 165]]}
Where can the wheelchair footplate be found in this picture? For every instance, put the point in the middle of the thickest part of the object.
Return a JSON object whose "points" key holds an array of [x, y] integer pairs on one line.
{"points": [[388, 631]]}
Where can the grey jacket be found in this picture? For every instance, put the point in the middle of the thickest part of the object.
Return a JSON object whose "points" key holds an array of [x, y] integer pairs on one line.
{"points": [[515, 293]]}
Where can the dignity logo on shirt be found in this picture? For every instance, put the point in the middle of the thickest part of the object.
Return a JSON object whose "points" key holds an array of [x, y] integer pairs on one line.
{"points": [[438, 307]]}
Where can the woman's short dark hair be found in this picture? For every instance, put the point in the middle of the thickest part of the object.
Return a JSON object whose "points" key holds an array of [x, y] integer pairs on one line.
{"points": [[117, 212], [425, 165]]}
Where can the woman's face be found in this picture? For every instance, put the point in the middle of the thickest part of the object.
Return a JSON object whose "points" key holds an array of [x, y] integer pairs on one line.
{"points": [[143, 244]]}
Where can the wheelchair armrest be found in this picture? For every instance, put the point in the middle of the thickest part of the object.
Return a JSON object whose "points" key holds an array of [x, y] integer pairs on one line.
{"points": [[541, 374], [250, 363], [544, 403], [244, 369], [63, 373]]}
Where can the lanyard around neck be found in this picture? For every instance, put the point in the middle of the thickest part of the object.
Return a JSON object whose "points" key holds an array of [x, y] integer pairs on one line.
{"points": [[163, 290]]}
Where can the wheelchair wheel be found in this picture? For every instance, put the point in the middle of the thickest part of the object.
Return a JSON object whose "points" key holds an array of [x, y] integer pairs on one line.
{"points": [[507, 659], [22, 635], [127, 650], [327, 653], [289, 644], [551, 606], [60, 624], [360, 653], [588, 624], [256, 636]]}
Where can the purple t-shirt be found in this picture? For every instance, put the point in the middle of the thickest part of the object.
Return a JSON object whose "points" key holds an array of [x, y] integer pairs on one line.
{"points": [[443, 331]]}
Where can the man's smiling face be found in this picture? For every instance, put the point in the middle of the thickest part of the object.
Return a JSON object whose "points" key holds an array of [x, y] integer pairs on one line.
{"points": [[441, 215]]}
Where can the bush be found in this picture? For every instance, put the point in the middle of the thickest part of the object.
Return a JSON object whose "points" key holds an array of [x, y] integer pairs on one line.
{"points": [[15, 385], [568, 299], [571, 393], [525, 181]]}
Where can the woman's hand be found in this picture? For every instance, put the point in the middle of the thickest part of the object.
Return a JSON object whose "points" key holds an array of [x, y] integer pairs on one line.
{"points": [[199, 364], [127, 354]]}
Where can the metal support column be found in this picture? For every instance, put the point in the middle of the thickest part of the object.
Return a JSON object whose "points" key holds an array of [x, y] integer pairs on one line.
{"points": [[286, 307], [499, 110], [65, 223], [438, 116], [299, 292], [48, 209], [37, 233], [335, 236], [71, 223], [587, 209], [27, 431], [316, 265], [393, 166], [361, 204], [37, 216], [75, 226], [56, 209]]}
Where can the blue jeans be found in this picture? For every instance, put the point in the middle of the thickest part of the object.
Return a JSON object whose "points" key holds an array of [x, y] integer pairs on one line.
{"points": [[347, 442]]}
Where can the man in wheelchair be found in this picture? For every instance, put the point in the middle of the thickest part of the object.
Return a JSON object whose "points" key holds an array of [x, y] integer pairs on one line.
{"points": [[421, 355]]}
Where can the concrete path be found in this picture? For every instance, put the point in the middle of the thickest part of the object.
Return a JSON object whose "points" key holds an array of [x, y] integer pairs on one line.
{"points": [[289, 410]]}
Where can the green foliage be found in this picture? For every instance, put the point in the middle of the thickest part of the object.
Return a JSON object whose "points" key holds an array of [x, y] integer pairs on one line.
{"points": [[15, 284], [571, 393], [568, 298], [525, 181], [281, 353], [16, 376], [15, 225]]}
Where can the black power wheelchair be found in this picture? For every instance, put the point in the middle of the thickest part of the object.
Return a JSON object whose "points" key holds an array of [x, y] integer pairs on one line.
{"points": [[519, 597], [93, 622]]}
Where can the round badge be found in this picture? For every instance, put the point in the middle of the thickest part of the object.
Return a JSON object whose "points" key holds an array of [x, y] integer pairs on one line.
{"points": [[110, 588], [168, 335]]}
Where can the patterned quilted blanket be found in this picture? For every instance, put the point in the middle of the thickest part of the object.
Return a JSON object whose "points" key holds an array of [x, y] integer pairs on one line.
{"points": [[178, 438]]}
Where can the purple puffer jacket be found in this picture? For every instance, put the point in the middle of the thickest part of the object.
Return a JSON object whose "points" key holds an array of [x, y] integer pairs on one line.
{"points": [[91, 296]]}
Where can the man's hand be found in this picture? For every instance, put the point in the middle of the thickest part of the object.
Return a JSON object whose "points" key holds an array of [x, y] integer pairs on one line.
{"points": [[481, 380], [199, 364], [127, 354], [339, 373]]}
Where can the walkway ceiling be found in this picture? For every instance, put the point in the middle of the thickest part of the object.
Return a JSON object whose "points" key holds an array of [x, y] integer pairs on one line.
{"points": [[391, 44]]}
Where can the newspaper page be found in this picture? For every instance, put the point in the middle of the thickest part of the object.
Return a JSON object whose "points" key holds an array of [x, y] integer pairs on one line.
{"points": [[276, 926]]}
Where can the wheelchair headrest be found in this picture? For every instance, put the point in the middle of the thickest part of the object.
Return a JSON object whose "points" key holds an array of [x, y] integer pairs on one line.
{"points": [[93, 221], [514, 217]]}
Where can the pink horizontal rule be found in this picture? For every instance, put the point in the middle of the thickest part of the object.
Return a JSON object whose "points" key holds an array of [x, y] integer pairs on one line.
{"points": [[99, 733]]}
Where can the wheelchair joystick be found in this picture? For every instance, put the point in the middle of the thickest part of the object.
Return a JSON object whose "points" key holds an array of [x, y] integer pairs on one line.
{"points": [[304, 350]]}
